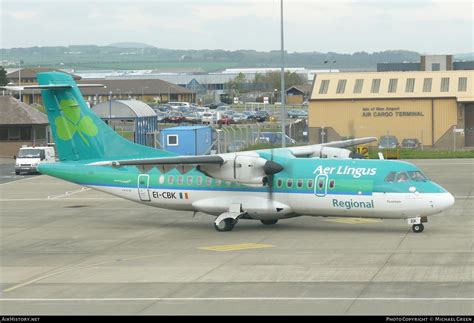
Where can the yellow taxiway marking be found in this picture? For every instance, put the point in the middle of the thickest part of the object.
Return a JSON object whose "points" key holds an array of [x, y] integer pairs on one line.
{"points": [[233, 247], [353, 220]]}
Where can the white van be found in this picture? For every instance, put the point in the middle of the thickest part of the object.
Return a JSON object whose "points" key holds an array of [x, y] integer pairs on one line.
{"points": [[30, 157], [179, 105]]}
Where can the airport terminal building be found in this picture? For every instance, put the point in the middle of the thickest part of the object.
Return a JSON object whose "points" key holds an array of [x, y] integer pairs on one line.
{"points": [[436, 107]]}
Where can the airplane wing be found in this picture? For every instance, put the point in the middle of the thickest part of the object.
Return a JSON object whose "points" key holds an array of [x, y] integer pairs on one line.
{"points": [[244, 167], [330, 149], [182, 163], [179, 160]]}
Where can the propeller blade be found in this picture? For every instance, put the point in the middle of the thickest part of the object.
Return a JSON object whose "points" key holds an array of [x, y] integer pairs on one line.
{"points": [[271, 167], [270, 187]]}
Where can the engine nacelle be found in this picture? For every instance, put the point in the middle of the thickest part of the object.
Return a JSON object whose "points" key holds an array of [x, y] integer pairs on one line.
{"points": [[331, 152], [238, 167]]}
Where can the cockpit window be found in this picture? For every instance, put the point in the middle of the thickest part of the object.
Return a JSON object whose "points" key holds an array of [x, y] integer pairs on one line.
{"points": [[402, 177], [417, 176], [391, 177]]}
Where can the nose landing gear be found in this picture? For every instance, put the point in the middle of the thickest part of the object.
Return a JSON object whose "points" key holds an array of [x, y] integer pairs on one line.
{"points": [[418, 228], [417, 223]]}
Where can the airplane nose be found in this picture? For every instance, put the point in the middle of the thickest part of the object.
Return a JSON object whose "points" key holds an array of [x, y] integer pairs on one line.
{"points": [[446, 201]]}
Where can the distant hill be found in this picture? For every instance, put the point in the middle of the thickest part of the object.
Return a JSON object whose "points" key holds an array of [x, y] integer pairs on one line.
{"points": [[130, 45], [139, 56], [464, 57]]}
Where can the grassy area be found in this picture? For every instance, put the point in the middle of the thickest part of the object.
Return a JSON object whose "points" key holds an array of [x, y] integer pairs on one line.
{"points": [[130, 135], [423, 154]]}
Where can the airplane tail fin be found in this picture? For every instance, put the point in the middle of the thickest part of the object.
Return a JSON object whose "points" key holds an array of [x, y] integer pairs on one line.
{"points": [[78, 132]]}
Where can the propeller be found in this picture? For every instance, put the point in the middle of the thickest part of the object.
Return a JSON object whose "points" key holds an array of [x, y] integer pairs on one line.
{"points": [[270, 169]]}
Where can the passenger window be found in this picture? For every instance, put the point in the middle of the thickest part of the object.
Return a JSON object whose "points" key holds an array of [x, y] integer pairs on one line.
{"points": [[180, 180], [390, 177], [199, 180], [310, 183], [289, 183], [170, 179], [332, 183], [218, 182], [279, 182], [161, 180], [321, 183], [402, 177], [299, 183], [189, 180], [208, 180]]}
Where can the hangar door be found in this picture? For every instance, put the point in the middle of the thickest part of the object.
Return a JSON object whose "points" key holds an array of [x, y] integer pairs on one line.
{"points": [[469, 128]]}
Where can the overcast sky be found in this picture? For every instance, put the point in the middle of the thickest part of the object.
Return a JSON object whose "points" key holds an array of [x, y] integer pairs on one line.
{"points": [[430, 27]]}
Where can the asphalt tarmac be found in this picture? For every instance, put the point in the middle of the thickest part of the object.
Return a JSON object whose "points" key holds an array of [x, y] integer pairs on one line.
{"points": [[72, 250]]}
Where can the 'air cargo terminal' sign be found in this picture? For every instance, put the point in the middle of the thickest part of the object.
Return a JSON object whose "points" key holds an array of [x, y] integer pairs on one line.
{"points": [[389, 112]]}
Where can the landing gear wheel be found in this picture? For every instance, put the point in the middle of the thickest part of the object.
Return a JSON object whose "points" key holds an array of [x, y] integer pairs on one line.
{"points": [[418, 228], [269, 222], [17, 173], [225, 225]]}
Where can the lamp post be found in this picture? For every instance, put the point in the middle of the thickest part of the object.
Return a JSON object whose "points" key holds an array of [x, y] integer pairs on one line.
{"points": [[110, 105], [282, 76], [19, 77], [329, 62]]}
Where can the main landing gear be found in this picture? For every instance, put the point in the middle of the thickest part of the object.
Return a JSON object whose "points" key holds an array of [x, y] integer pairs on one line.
{"points": [[227, 220], [269, 222], [225, 225]]}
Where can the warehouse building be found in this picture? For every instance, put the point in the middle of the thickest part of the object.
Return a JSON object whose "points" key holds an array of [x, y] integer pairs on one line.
{"points": [[436, 107], [150, 90], [20, 125]]}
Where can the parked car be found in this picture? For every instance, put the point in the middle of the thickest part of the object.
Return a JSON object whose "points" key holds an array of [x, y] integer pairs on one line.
{"points": [[297, 114], [411, 143], [29, 158], [224, 108], [239, 117], [176, 117], [388, 142], [214, 105], [250, 115], [208, 118], [225, 119], [262, 116], [192, 117], [273, 138], [161, 116]]}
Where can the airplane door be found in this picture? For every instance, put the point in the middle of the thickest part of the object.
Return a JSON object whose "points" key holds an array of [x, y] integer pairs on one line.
{"points": [[321, 185], [143, 182]]}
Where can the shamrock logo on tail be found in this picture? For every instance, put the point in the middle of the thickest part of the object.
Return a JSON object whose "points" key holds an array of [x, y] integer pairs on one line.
{"points": [[71, 122]]}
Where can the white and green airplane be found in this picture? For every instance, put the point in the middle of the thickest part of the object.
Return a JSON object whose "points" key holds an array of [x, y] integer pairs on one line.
{"points": [[266, 185]]}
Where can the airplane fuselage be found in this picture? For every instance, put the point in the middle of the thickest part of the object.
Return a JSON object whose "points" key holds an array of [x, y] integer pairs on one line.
{"points": [[307, 186]]}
